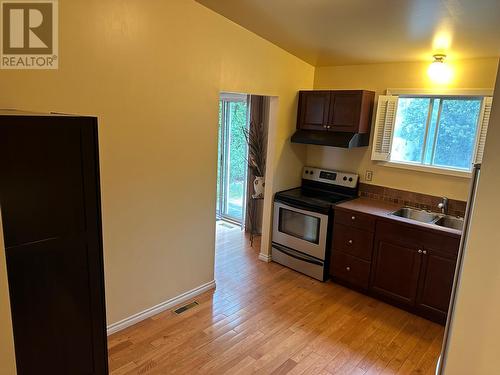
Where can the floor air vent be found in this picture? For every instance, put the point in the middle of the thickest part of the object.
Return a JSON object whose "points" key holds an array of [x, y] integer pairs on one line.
{"points": [[181, 309]]}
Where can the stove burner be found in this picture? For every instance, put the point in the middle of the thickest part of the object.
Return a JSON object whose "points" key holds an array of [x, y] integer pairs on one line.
{"points": [[311, 197], [321, 190]]}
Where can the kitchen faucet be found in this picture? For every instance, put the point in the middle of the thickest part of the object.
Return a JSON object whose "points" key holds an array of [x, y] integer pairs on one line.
{"points": [[444, 206]]}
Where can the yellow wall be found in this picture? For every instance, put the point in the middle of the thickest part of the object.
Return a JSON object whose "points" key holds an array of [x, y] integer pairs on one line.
{"points": [[473, 346], [469, 74], [7, 356], [152, 71]]}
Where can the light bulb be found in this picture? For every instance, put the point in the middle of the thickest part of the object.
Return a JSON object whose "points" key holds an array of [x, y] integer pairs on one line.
{"points": [[439, 71]]}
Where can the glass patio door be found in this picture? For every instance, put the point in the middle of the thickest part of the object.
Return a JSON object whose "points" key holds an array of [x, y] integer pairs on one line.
{"points": [[232, 166]]}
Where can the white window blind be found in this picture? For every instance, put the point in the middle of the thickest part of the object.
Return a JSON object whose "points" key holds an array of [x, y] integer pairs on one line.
{"points": [[384, 127], [484, 119]]}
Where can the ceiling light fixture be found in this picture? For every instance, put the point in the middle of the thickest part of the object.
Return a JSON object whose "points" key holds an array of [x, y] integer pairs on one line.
{"points": [[439, 71]]}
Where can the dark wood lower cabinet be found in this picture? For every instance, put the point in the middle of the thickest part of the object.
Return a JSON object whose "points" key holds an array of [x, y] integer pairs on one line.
{"points": [[436, 282], [49, 197], [414, 268], [404, 264], [350, 269], [395, 272]]}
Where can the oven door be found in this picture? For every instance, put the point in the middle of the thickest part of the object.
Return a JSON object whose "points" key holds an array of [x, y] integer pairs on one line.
{"points": [[301, 230]]}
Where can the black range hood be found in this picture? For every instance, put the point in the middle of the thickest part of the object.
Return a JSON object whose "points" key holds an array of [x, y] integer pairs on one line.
{"points": [[331, 138]]}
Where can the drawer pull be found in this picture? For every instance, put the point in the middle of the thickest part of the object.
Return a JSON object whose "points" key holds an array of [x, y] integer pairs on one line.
{"points": [[353, 217], [419, 251], [348, 268], [425, 252], [349, 242]]}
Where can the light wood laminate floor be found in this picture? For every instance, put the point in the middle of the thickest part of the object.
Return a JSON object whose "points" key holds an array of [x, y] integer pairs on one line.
{"points": [[267, 319]]}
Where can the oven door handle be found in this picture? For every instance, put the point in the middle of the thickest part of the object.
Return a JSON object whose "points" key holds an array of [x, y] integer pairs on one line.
{"points": [[294, 254], [302, 206]]}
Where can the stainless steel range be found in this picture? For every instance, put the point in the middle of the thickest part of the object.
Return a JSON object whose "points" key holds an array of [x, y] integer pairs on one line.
{"points": [[303, 220]]}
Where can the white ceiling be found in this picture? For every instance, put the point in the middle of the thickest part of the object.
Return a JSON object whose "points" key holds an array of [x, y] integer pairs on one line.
{"points": [[339, 32]]}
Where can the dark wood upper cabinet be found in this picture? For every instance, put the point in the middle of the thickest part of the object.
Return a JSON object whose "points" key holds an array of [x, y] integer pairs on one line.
{"points": [[339, 110], [50, 201], [313, 109]]}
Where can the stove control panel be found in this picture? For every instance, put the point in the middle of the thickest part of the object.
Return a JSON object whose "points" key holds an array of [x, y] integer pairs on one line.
{"points": [[349, 180]]}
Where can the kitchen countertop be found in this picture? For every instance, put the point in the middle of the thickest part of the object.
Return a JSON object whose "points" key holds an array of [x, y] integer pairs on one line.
{"points": [[383, 209]]}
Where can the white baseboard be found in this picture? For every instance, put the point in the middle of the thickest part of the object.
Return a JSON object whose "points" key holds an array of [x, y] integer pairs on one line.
{"points": [[136, 318], [265, 257]]}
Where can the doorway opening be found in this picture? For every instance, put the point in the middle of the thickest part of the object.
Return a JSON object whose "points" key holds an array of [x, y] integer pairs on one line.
{"points": [[242, 154], [232, 165]]}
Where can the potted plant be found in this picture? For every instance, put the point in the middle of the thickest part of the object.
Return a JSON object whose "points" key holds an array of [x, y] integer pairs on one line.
{"points": [[255, 137]]}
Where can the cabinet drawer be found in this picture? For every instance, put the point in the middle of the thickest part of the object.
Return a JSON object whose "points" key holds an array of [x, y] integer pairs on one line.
{"points": [[348, 268], [355, 219], [353, 241]]}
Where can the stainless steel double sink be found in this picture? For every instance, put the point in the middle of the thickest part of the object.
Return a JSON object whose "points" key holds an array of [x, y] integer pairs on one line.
{"points": [[427, 217]]}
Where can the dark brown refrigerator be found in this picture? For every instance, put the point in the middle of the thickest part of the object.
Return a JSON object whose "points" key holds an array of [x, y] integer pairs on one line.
{"points": [[50, 205]]}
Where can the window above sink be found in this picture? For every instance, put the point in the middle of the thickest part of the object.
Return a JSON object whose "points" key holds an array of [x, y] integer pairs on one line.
{"points": [[440, 133]]}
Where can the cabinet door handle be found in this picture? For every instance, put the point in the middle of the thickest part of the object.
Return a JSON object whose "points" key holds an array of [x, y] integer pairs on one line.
{"points": [[420, 251], [349, 242], [353, 217], [348, 268], [425, 252]]}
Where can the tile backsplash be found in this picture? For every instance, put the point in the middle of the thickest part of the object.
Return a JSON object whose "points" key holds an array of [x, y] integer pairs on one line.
{"points": [[411, 199]]}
